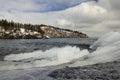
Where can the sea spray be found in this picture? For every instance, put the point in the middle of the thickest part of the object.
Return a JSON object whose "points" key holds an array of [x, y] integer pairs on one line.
{"points": [[107, 49], [52, 57], [106, 40]]}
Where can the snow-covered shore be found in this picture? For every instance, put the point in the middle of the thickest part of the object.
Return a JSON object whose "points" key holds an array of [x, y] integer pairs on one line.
{"points": [[43, 32]]}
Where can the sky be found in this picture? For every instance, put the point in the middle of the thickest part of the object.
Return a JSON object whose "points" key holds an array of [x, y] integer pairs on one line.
{"points": [[93, 17]]}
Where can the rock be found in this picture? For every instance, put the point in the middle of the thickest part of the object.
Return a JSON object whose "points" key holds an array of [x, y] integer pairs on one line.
{"points": [[102, 71], [42, 31]]}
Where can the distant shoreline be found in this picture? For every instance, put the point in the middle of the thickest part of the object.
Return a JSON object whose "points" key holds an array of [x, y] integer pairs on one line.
{"points": [[12, 30]]}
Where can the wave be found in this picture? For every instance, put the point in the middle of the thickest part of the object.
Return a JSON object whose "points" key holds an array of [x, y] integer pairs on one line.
{"points": [[107, 48], [54, 56]]}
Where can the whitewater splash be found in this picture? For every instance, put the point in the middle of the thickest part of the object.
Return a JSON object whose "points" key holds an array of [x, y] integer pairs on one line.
{"points": [[107, 48], [54, 56]]}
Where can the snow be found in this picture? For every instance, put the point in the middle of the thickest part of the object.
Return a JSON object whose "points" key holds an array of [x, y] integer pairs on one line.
{"points": [[35, 32], [7, 32], [43, 27], [47, 36], [22, 30]]}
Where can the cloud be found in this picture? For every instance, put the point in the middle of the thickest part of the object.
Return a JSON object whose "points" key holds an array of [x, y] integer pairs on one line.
{"points": [[93, 18], [115, 4], [56, 5], [39, 5], [84, 16], [85, 13], [18, 5], [89, 16]]}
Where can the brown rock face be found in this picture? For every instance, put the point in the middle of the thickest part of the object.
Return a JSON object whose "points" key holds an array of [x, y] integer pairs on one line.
{"points": [[12, 30], [42, 31], [63, 33]]}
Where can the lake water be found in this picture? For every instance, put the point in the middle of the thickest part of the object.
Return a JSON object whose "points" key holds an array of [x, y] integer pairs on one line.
{"points": [[16, 46], [48, 47], [34, 59]]}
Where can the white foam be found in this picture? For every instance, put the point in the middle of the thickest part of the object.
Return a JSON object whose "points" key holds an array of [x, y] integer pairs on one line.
{"points": [[54, 56], [106, 40], [107, 49]]}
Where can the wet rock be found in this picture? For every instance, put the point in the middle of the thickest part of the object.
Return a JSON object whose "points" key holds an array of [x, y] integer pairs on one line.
{"points": [[105, 71]]}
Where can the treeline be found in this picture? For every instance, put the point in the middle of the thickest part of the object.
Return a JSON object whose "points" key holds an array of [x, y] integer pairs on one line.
{"points": [[9, 25], [13, 30]]}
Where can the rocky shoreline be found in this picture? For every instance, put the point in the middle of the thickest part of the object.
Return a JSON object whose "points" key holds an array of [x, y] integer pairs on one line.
{"points": [[12, 30], [47, 32], [50, 33], [102, 71]]}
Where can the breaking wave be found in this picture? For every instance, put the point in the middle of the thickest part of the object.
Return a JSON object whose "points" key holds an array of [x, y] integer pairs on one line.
{"points": [[107, 48], [54, 56]]}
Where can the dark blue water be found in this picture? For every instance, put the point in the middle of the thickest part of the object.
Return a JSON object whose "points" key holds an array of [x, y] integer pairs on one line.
{"points": [[29, 45], [10, 46]]}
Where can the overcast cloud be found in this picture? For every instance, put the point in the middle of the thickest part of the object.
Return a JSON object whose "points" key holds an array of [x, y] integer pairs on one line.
{"points": [[93, 17]]}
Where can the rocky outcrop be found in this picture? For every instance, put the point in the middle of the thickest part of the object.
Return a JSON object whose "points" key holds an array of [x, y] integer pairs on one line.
{"points": [[43, 31], [64, 33]]}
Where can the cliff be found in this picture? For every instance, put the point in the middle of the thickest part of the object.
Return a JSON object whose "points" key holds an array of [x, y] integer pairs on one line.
{"points": [[11, 30]]}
